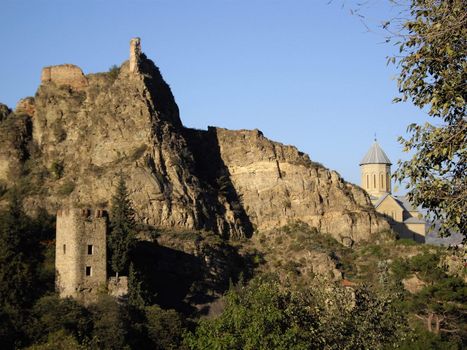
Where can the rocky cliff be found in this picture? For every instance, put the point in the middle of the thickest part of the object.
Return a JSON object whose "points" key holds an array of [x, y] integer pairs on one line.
{"points": [[88, 128]]}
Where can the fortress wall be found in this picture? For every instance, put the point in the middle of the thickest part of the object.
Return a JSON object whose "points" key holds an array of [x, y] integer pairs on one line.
{"points": [[65, 74]]}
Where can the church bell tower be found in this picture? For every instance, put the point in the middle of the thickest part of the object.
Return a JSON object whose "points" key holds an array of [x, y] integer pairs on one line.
{"points": [[375, 170]]}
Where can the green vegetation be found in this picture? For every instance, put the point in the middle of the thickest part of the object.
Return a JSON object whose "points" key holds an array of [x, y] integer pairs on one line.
{"points": [[113, 72], [266, 312], [121, 237], [66, 188], [57, 169], [433, 72], [264, 315]]}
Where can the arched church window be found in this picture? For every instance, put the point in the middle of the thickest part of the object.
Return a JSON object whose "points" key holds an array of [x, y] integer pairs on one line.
{"points": [[374, 180]]}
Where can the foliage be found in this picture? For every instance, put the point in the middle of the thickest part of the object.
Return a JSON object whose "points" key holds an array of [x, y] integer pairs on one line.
{"points": [[66, 188], [20, 265], [57, 169], [122, 226], [259, 316], [136, 297], [58, 340], [440, 303], [111, 324], [52, 315], [264, 315], [113, 72], [433, 74], [16, 256], [164, 328]]}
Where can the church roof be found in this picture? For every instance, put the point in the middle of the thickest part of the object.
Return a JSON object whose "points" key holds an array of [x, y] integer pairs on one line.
{"points": [[375, 155], [405, 203]]}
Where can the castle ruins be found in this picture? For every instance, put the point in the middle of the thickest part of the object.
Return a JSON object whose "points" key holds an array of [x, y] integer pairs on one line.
{"points": [[135, 53], [64, 74], [81, 253]]}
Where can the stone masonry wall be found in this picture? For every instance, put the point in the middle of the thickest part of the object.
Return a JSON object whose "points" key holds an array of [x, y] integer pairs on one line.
{"points": [[65, 74], [135, 52], [81, 253]]}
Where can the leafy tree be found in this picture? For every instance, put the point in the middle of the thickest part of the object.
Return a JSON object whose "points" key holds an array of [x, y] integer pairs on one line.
{"points": [[18, 262], [111, 324], [122, 228], [258, 316], [433, 75], [440, 303], [265, 315], [51, 314], [164, 328], [58, 340]]}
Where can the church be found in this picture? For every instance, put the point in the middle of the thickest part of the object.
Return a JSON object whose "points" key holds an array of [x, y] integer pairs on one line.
{"points": [[405, 220]]}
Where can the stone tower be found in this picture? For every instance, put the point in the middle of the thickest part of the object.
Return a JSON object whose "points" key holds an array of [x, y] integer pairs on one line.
{"points": [[135, 53], [80, 253], [375, 170]]}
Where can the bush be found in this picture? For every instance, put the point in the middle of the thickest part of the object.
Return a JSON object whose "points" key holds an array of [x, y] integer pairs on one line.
{"points": [[57, 169], [113, 72], [66, 189], [164, 328]]}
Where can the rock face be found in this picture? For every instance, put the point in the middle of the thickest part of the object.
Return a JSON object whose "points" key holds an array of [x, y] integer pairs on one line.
{"points": [[15, 135], [87, 129], [26, 106], [269, 184]]}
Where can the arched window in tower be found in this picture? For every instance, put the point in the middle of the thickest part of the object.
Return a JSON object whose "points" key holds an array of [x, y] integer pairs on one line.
{"points": [[381, 182], [367, 181], [388, 182], [374, 180]]}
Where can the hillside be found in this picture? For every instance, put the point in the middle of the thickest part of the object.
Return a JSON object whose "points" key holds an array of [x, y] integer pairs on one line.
{"points": [[67, 143], [228, 240]]}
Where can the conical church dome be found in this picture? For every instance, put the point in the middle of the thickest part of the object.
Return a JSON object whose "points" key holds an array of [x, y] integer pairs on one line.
{"points": [[375, 155]]}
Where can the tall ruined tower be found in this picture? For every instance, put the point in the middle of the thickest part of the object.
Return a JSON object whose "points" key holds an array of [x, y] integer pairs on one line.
{"points": [[135, 53], [80, 253]]}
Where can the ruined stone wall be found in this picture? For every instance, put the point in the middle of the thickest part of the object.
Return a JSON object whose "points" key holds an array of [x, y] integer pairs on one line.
{"points": [[80, 254], [64, 74]]}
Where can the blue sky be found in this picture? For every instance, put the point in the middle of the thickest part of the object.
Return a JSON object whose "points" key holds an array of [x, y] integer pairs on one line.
{"points": [[304, 72]]}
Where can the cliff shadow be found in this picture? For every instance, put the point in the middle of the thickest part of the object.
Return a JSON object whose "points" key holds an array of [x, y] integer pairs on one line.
{"points": [[190, 282], [215, 176], [167, 275]]}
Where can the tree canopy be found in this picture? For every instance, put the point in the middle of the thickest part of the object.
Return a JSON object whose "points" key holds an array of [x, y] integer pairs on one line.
{"points": [[433, 76]]}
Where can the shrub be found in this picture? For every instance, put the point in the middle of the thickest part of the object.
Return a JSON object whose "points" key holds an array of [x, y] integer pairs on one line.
{"points": [[66, 189], [57, 169], [113, 72]]}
